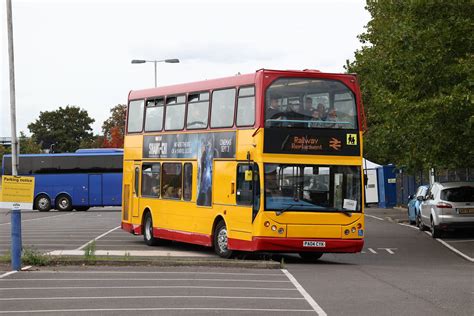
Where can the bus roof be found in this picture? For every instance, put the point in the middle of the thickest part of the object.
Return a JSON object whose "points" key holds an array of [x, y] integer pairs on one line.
{"points": [[237, 80], [99, 150], [92, 153]]}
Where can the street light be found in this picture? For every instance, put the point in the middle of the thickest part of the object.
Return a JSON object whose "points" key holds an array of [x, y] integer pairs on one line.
{"points": [[142, 61]]}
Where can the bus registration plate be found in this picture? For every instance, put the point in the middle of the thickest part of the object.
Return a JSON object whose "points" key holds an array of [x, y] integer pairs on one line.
{"points": [[319, 244]]}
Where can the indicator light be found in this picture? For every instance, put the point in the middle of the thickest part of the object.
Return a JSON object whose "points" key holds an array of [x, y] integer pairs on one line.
{"points": [[359, 226], [347, 232], [281, 230], [274, 228], [353, 229], [267, 224]]}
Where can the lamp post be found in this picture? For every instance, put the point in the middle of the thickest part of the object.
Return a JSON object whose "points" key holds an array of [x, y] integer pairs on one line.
{"points": [[142, 61]]}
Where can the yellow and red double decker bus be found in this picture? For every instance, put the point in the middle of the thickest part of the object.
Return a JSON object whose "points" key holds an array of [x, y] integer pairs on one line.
{"points": [[269, 161]]}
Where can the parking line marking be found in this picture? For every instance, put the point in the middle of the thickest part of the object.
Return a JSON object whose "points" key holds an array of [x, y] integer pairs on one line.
{"points": [[380, 219], [156, 272], [150, 297], [37, 219], [466, 240], [305, 294], [98, 237], [147, 279], [406, 225], [157, 309], [7, 274], [148, 287], [455, 250]]}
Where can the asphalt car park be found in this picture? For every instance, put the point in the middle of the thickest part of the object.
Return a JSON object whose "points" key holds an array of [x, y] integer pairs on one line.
{"points": [[146, 291], [411, 272]]}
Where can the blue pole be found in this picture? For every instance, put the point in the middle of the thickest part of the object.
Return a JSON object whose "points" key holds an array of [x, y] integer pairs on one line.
{"points": [[16, 239]]}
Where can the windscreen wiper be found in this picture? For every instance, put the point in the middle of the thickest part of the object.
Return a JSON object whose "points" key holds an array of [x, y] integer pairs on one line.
{"points": [[279, 212]]}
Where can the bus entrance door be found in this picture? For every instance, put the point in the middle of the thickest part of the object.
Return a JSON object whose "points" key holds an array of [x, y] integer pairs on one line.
{"points": [[95, 190], [135, 190]]}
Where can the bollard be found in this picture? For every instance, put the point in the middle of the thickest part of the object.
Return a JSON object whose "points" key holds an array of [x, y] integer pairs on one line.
{"points": [[16, 239]]}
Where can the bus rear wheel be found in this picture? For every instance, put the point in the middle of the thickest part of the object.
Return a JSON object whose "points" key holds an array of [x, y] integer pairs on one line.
{"points": [[220, 241], [310, 256], [148, 237], [63, 203], [42, 203]]}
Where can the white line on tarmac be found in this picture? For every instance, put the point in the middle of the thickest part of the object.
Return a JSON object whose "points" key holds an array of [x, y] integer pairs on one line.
{"points": [[439, 240], [13, 272], [133, 253], [305, 294], [149, 297], [147, 279], [7, 274], [147, 287], [98, 237], [465, 240], [155, 272], [380, 219], [455, 250], [406, 225], [157, 309], [37, 219]]}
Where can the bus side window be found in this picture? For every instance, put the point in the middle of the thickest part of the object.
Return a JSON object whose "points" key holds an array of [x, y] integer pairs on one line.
{"points": [[246, 107], [244, 188], [172, 181], [187, 181], [222, 108], [135, 116], [151, 180]]}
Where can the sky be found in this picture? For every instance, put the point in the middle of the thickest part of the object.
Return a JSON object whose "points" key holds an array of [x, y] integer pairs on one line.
{"points": [[79, 52]]}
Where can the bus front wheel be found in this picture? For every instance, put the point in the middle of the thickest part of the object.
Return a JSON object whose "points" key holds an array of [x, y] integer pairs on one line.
{"points": [[220, 241], [42, 203], [63, 203], [148, 230]]}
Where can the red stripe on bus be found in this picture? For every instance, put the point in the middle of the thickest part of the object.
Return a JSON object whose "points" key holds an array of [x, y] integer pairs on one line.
{"points": [[296, 245], [131, 228], [192, 238]]}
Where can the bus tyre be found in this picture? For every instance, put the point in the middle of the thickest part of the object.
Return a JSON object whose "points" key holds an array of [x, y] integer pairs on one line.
{"points": [[63, 203], [148, 230], [42, 203], [310, 256], [220, 241]]}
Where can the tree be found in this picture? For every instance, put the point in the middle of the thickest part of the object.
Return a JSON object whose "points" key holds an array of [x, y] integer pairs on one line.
{"points": [[28, 145], [64, 128], [114, 127], [416, 74]]}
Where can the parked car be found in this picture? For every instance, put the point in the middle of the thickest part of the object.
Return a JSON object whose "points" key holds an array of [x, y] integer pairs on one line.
{"points": [[414, 202], [448, 206]]}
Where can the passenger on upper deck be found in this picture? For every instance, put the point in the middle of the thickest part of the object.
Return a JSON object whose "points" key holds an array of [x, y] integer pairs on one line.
{"points": [[273, 112]]}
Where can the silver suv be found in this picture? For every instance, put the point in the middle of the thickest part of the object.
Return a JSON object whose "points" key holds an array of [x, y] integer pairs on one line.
{"points": [[447, 206]]}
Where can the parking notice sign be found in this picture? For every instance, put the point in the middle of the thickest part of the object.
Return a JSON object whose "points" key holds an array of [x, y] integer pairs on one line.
{"points": [[17, 193]]}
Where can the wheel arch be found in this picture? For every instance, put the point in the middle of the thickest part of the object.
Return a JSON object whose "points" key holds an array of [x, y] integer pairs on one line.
{"points": [[142, 222], [216, 220]]}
